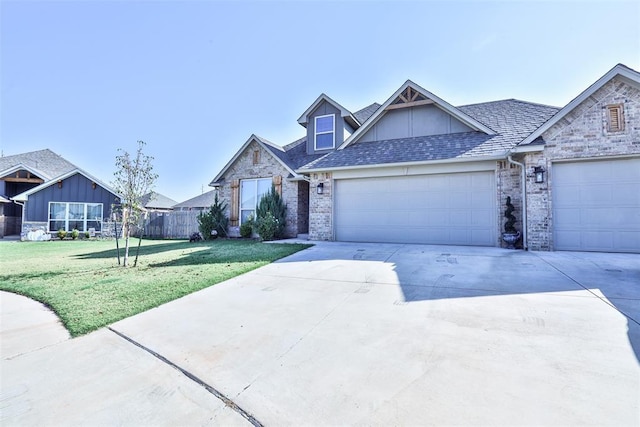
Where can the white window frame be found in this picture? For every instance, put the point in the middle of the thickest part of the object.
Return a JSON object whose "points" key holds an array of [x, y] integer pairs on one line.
{"points": [[316, 133], [66, 218], [257, 196]]}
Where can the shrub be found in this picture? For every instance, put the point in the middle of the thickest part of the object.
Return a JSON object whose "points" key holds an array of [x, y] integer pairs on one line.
{"points": [[271, 216], [247, 227], [511, 219], [62, 234], [86, 235], [213, 219], [75, 233]]}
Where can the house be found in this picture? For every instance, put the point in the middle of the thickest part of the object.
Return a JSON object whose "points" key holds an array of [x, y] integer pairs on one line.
{"points": [[417, 169], [199, 203], [156, 202], [49, 193]]}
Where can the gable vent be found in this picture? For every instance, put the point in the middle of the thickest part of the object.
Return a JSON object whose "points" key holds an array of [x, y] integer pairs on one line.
{"points": [[615, 119], [409, 98]]}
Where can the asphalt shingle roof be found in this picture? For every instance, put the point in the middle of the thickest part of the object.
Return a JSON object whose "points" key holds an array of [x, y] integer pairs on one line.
{"points": [[46, 162], [511, 119], [205, 200], [156, 200]]}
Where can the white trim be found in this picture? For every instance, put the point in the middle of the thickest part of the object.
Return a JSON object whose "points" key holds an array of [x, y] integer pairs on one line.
{"points": [[441, 168], [438, 102], [618, 70], [256, 195], [594, 159], [405, 164], [66, 219], [316, 133], [21, 166], [303, 119]]}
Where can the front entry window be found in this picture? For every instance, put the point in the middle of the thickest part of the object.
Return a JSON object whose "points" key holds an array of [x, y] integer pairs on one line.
{"points": [[79, 216], [251, 191]]}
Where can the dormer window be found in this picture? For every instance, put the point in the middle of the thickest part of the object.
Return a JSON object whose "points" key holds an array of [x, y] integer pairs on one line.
{"points": [[325, 135]]}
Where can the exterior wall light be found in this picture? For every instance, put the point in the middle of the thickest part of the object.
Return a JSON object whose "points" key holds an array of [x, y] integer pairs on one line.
{"points": [[320, 188], [539, 174]]}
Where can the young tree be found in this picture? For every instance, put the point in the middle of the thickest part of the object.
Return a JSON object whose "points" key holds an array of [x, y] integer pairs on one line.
{"points": [[134, 177]]}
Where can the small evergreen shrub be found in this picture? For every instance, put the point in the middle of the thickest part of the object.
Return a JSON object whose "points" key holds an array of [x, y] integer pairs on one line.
{"points": [[271, 216], [214, 219], [509, 225], [247, 228], [62, 234], [75, 234], [86, 235]]}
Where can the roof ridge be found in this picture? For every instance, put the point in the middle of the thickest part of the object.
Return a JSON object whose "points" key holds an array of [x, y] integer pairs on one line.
{"points": [[507, 100]]}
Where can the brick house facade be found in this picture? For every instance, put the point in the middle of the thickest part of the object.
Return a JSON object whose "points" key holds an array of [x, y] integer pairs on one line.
{"points": [[416, 169]]}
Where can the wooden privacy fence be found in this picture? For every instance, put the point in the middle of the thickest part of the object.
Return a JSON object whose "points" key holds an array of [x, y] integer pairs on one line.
{"points": [[171, 225]]}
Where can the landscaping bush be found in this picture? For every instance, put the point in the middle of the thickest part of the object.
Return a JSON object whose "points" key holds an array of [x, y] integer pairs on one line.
{"points": [[246, 229], [213, 219], [271, 216], [62, 234], [75, 234]]}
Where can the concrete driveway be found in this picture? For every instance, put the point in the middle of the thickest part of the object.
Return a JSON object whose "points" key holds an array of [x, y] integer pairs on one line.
{"points": [[375, 334]]}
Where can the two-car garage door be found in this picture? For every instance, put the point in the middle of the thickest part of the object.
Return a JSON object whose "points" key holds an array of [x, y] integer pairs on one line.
{"points": [[454, 208], [596, 205]]}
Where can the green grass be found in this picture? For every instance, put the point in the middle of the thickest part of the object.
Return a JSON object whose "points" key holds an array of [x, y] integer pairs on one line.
{"points": [[82, 282]]}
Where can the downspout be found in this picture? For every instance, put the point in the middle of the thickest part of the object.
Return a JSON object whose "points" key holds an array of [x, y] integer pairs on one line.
{"points": [[523, 187]]}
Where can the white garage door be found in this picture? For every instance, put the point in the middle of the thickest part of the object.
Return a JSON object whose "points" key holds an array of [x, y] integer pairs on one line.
{"points": [[453, 209], [596, 205]]}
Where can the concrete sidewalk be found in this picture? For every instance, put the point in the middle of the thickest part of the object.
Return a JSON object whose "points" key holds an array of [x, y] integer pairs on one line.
{"points": [[361, 334]]}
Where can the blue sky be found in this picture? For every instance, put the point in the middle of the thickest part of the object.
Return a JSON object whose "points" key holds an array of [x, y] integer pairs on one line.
{"points": [[194, 79]]}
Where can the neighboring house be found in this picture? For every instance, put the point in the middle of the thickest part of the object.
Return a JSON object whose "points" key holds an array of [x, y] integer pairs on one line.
{"points": [[198, 203], [49, 193], [416, 169], [156, 202]]}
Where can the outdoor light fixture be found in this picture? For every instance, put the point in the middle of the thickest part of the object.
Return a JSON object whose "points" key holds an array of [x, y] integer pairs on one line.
{"points": [[320, 188], [539, 174], [59, 183]]}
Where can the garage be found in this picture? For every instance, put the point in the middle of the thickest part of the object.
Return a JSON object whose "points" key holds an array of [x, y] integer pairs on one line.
{"points": [[450, 209], [596, 205]]}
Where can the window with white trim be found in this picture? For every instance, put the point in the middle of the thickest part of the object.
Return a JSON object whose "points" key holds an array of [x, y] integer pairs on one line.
{"points": [[251, 191], [80, 216], [325, 135]]}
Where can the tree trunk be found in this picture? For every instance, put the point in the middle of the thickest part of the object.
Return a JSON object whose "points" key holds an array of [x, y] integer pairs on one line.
{"points": [[125, 232]]}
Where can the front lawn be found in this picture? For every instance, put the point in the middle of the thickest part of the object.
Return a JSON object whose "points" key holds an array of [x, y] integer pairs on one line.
{"points": [[82, 282]]}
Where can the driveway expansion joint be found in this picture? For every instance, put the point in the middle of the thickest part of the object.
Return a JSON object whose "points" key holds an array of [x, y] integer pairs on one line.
{"points": [[227, 401]]}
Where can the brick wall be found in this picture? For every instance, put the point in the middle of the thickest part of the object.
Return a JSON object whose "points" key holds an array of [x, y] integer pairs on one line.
{"points": [[581, 134], [267, 167], [508, 185], [321, 207]]}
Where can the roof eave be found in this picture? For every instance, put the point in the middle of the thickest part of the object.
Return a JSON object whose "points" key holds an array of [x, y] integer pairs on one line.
{"points": [[628, 74], [405, 164]]}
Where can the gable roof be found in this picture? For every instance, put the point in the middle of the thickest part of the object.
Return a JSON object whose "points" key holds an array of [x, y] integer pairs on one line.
{"points": [[512, 120], [155, 200], [628, 75], [346, 114], [277, 151], [204, 200], [24, 196], [44, 163], [442, 104]]}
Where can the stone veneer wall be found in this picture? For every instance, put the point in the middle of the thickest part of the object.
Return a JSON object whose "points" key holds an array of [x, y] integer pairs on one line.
{"points": [[321, 207], [267, 167], [581, 134]]}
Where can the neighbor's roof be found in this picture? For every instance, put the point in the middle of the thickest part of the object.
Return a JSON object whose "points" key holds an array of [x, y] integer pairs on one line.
{"points": [[24, 196], [44, 163], [204, 200], [154, 200], [511, 119]]}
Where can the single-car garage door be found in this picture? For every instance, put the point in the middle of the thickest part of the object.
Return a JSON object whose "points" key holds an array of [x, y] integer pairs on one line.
{"points": [[453, 209], [596, 205]]}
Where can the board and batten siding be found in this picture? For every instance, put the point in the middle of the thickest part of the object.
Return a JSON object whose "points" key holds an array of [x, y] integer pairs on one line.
{"points": [[410, 122], [76, 188], [341, 128]]}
